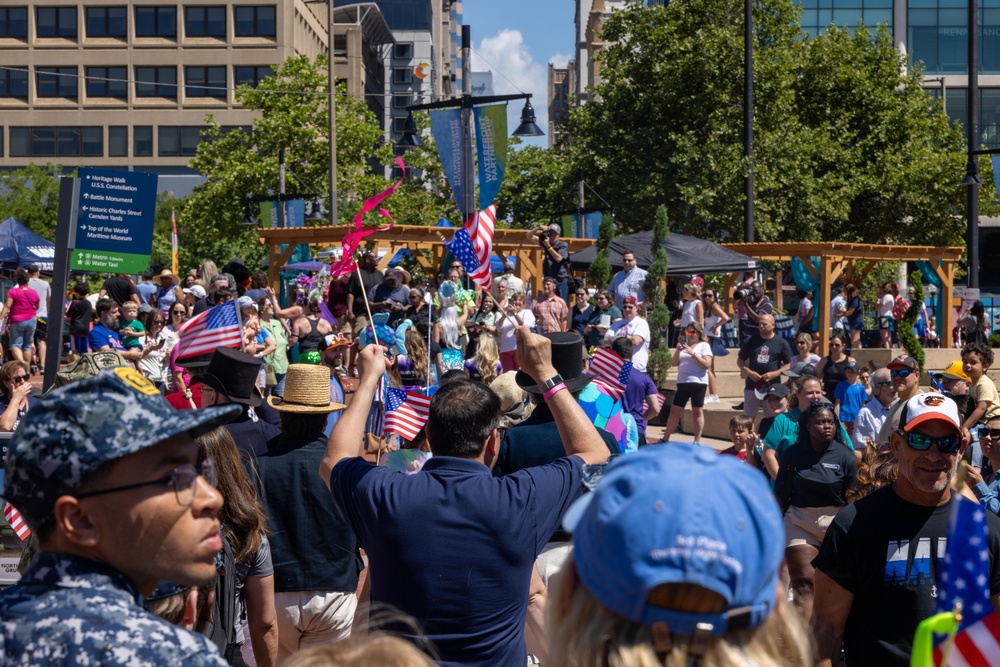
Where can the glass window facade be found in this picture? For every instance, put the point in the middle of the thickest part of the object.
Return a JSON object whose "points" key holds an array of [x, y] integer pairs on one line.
{"points": [[178, 141], [56, 82], [142, 141], [402, 51], [156, 22], [156, 82], [57, 141], [118, 141], [402, 75], [406, 14], [817, 15], [55, 22], [14, 83], [255, 21], [14, 22], [107, 82], [205, 82], [107, 22], [251, 76], [205, 22], [938, 34]]}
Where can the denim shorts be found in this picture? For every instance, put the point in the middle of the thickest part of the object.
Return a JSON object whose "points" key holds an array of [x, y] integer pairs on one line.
{"points": [[22, 334]]}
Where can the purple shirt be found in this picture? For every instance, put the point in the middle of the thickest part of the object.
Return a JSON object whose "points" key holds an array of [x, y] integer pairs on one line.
{"points": [[638, 388]]}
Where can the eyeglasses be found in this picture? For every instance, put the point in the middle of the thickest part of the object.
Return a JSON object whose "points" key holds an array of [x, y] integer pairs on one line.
{"points": [[184, 479], [158, 321], [836, 345], [178, 312], [920, 442], [989, 433], [18, 379], [866, 377], [882, 384], [581, 295], [901, 372]]}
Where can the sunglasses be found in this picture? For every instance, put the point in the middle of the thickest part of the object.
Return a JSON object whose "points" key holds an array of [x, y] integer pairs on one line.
{"points": [[178, 312], [949, 444], [18, 379], [989, 433], [901, 372]]}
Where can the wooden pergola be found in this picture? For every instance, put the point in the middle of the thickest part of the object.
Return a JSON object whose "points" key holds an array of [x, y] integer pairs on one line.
{"points": [[841, 259], [414, 238]]}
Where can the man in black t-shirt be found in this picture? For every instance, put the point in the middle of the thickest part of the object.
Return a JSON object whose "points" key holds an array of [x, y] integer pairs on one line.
{"points": [[120, 289], [762, 359], [877, 570]]}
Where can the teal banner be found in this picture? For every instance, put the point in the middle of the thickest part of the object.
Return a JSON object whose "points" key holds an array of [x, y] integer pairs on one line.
{"points": [[491, 147], [446, 127]]}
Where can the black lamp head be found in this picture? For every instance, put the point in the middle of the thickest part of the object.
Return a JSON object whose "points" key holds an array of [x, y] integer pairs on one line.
{"points": [[527, 128], [314, 214], [411, 136], [248, 218]]}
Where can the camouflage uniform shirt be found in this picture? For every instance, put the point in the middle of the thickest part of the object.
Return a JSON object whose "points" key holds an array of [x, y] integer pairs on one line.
{"points": [[68, 610]]}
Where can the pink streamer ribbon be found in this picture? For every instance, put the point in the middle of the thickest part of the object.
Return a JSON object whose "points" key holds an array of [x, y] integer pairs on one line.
{"points": [[347, 264]]}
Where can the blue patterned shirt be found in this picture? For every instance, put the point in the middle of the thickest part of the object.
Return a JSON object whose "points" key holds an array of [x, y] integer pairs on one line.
{"points": [[68, 610]]}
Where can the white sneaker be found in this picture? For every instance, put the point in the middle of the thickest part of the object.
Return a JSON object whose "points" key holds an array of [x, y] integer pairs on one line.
{"points": [[712, 399]]}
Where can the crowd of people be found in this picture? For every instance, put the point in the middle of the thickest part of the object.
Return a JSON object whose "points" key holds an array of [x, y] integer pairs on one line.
{"points": [[389, 470]]}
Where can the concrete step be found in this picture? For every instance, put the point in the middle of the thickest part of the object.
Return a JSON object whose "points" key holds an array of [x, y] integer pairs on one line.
{"points": [[727, 383]]}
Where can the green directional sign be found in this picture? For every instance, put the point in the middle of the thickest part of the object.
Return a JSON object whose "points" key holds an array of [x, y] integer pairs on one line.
{"points": [[108, 262]]}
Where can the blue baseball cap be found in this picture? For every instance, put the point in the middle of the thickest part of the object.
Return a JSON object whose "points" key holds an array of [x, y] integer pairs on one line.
{"points": [[680, 514]]}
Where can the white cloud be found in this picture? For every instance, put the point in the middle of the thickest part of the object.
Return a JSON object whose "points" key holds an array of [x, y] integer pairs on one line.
{"points": [[515, 70], [560, 60]]}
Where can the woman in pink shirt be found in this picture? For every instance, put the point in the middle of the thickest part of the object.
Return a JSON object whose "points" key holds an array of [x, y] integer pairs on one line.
{"points": [[20, 307]]}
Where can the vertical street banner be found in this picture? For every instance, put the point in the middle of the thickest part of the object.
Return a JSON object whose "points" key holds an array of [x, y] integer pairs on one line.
{"points": [[175, 262], [491, 147], [446, 127]]}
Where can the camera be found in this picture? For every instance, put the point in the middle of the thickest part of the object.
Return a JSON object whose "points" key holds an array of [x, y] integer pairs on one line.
{"points": [[544, 236], [741, 293]]}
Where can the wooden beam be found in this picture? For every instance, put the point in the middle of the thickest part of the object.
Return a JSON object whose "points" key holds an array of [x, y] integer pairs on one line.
{"points": [[779, 295], [728, 285], [947, 296]]}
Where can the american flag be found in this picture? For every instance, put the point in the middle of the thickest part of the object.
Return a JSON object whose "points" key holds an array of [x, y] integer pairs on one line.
{"points": [[473, 245], [405, 412], [216, 327], [612, 371], [965, 579], [16, 522]]}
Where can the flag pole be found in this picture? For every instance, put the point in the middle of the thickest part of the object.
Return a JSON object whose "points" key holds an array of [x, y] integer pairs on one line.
{"points": [[429, 301], [357, 267]]}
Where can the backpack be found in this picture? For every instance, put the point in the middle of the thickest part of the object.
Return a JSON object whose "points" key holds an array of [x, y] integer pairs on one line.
{"points": [[221, 630], [899, 307], [89, 365]]}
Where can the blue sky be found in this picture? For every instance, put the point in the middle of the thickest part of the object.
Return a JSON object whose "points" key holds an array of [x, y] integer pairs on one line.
{"points": [[516, 40]]}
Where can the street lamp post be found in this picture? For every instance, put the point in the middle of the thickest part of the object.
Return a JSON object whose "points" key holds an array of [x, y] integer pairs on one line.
{"points": [[331, 73], [748, 225], [971, 179], [527, 128]]}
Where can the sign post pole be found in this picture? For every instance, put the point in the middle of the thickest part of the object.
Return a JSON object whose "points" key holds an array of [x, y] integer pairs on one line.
{"points": [[60, 278]]}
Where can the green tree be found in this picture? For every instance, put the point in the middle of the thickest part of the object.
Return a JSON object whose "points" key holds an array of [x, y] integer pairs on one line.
{"points": [[537, 186], [166, 204], [237, 166], [655, 289], [907, 338], [599, 272], [31, 196], [847, 144]]}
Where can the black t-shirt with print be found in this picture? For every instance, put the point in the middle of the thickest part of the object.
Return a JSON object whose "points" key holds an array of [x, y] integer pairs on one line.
{"points": [[765, 356], [807, 478], [887, 553]]}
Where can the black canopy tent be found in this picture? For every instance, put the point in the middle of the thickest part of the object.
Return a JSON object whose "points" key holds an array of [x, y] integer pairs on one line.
{"points": [[686, 255]]}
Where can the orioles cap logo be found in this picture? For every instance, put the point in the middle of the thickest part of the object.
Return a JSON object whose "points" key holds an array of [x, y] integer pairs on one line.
{"points": [[934, 400]]}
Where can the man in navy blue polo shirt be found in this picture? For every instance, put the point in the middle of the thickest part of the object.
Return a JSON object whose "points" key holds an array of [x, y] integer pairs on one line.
{"points": [[454, 546]]}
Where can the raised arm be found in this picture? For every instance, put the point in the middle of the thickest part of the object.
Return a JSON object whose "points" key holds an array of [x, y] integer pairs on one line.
{"points": [[347, 436], [577, 432]]}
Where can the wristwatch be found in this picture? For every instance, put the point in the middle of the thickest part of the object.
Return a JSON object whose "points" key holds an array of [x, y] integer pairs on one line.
{"points": [[551, 382]]}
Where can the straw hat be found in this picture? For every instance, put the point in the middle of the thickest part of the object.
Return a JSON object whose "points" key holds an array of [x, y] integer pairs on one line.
{"points": [[167, 273], [307, 390]]}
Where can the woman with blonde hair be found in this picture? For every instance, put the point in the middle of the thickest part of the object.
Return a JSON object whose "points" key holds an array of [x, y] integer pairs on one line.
{"points": [[711, 597], [693, 308], [485, 364], [206, 272], [692, 359], [373, 650]]}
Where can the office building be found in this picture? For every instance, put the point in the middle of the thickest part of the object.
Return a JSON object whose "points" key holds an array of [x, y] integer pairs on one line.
{"points": [[128, 83], [562, 84]]}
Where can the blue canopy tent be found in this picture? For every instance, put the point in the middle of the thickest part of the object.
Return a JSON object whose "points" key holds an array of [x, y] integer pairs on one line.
{"points": [[19, 247]]}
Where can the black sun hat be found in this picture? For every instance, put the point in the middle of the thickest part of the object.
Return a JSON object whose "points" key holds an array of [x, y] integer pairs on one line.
{"points": [[567, 357], [233, 373]]}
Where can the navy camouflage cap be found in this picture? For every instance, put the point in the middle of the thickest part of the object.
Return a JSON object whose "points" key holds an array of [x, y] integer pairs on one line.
{"points": [[74, 430]]}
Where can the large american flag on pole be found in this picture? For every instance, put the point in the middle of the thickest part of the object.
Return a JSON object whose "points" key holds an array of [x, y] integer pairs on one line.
{"points": [[965, 579], [15, 521], [405, 412], [473, 245], [216, 327], [612, 371]]}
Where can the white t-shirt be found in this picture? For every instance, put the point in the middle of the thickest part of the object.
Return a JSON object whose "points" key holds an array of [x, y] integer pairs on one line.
{"points": [[689, 370], [637, 327], [508, 343], [885, 305], [44, 291]]}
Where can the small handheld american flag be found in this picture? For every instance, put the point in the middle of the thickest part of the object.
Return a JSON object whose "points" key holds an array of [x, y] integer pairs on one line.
{"points": [[216, 327], [405, 412], [16, 521], [612, 371]]}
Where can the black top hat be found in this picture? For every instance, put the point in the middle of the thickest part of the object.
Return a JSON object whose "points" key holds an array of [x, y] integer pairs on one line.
{"points": [[233, 373], [567, 357]]}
